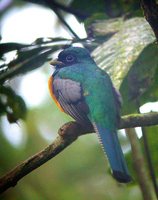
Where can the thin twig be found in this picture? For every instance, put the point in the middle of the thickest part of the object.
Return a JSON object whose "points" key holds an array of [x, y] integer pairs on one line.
{"points": [[61, 18], [68, 133], [77, 13]]}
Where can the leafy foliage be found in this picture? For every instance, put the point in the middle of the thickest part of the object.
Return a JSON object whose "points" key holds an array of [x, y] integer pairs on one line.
{"points": [[138, 86], [12, 105], [111, 8], [28, 57]]}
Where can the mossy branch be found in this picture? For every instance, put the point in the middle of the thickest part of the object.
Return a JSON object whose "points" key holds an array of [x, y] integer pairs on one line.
{"points": [[68, 133]]}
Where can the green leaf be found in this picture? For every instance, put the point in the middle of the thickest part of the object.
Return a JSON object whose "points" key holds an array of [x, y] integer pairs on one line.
{"points": [[11, 104], [103, 27], [10, 46], [49, 40], [89, 7], [110, 8], [29, 57], [127, 54], [26, 54], [2, 107], [36, 45], [140, 84], [26, 62]]}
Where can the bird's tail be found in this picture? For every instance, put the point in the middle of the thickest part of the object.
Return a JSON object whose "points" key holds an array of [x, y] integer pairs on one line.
{"points": [[112, 148]]}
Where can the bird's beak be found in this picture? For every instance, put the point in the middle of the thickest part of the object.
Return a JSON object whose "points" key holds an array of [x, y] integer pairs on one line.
{"points": [[56, 62]]}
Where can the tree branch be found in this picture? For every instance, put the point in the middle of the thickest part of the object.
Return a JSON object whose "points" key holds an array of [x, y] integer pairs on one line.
{"points": [[68, 133]]}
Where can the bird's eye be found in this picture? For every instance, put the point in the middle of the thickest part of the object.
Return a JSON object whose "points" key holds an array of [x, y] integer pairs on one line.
{"points": [[70, 58]]}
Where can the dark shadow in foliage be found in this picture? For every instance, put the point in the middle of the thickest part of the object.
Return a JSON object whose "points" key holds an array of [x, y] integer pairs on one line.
{"points": [[141, 80]]}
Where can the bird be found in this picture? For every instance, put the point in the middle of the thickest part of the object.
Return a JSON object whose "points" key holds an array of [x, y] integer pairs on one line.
{"points": [[85, 92]]}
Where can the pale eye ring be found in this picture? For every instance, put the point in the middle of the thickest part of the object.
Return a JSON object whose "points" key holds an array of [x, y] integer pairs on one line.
{"points": [[70, 58]]}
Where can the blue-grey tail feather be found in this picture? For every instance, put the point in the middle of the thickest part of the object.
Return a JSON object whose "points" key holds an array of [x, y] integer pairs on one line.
{"points": [[112, 148]]}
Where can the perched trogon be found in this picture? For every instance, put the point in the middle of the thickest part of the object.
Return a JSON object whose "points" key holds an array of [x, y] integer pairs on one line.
{"points": [[85, 92]]}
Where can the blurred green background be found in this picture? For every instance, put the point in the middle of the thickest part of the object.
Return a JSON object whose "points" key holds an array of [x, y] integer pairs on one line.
{"points": [[81, 171]]}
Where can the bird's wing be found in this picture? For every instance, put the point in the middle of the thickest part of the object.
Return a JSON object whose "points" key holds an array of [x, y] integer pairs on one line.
{"points": [[68, 95], [118, 103], [117, 98]]}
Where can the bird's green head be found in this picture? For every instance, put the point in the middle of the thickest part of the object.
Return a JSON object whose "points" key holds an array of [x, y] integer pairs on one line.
{"points": [[71, 56]]}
